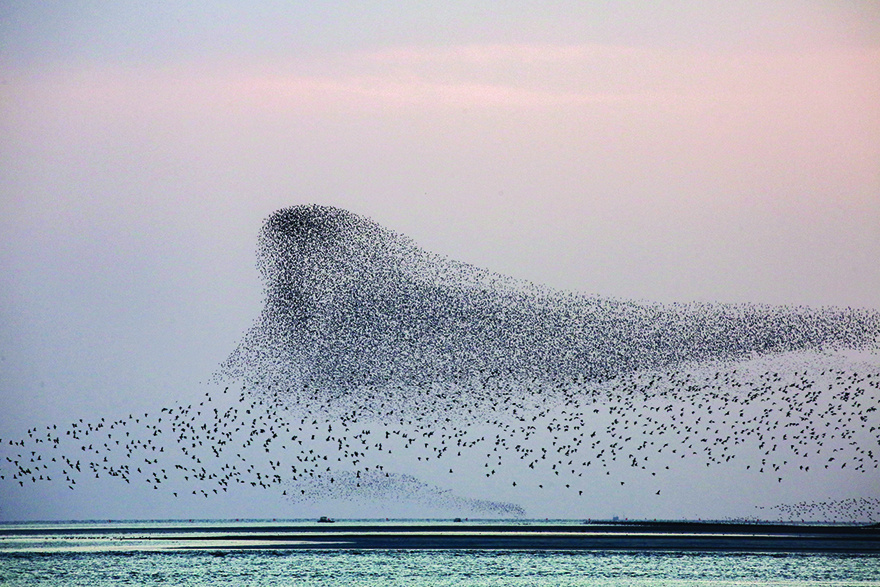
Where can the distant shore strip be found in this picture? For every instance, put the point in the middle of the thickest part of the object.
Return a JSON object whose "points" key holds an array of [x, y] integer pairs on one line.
{"points": [[648, 536]]}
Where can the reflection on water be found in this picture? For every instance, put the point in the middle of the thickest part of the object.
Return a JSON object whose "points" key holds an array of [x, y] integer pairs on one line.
{"points": [[353, 569], [98, 554]]}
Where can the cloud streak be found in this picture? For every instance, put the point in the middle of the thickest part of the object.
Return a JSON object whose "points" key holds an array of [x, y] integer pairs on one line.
{"points": [[514, 76]]}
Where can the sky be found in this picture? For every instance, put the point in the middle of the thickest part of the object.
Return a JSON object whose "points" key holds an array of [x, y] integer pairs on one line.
{"points": [[689, 151]]}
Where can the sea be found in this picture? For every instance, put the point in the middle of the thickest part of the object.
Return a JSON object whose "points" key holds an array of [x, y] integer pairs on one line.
{"points": [[230, 552]]}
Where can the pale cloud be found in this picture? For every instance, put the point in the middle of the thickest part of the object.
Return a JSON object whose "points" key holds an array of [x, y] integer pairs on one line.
{"points": [[485, 76]]}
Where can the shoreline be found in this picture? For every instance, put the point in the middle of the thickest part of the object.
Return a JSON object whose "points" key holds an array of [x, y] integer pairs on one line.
{"points": [[602, 536]]}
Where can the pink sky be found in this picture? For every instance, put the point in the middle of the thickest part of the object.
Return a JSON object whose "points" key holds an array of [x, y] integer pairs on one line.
{"points": [[671, 152], [644, 152]]}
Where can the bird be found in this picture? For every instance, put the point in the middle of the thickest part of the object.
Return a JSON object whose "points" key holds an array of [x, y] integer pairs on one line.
{"points": [[374, 362]]}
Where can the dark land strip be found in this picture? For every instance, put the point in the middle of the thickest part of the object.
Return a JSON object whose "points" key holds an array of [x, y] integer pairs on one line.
{"points": [[625, 536]]}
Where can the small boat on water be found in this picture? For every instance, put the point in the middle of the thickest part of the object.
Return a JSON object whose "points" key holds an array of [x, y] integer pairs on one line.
{"points": [[325, 520]]}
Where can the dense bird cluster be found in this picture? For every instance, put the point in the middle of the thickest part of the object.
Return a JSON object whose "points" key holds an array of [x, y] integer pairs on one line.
{"points": [[842, 510], [379, 371], [349, 302]]}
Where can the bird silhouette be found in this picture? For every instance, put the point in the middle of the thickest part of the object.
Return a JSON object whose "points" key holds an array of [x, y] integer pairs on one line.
{"points": [[374, 362]]}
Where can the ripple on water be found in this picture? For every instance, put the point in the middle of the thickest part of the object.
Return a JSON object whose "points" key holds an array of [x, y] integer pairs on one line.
{"points": [[437, 568]]}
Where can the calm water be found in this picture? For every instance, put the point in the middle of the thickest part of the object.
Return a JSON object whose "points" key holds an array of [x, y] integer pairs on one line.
{"points": [[67, 558]]}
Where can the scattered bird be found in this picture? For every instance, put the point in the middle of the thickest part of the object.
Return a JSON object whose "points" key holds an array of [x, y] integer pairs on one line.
{"points": [[375, 362]]}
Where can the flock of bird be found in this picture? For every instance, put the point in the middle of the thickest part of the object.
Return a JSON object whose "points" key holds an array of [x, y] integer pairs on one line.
{"points": [[349, 302], [853, 510], [379, 371]]}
